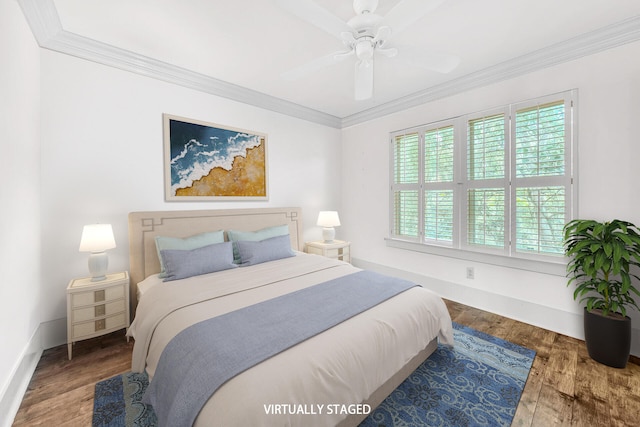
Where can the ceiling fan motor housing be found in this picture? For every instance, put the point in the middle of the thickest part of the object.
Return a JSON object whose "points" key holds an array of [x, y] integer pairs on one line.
{"points": [[366, 21]]}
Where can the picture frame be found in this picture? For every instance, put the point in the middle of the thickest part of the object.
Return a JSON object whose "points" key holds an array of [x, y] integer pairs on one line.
{"points": [[209, 162]]}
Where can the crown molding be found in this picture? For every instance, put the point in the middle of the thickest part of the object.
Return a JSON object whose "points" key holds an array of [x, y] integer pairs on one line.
{"points": [[45, 24], [85, 48], [42, 17], [615, 35]]}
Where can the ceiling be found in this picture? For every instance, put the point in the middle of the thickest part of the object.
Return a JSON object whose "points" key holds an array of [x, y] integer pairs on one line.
{"points": [[240, 49]]}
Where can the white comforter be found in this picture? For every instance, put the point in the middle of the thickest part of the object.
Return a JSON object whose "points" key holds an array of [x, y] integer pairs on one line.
{"points": [[307, 382]]}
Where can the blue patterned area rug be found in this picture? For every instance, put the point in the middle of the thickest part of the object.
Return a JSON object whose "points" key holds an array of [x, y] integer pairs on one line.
{"points": [[118, 402], [477, 383]]}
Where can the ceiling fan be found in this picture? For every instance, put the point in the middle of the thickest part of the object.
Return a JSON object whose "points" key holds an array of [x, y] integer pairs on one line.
{"points": [[365, 36]]}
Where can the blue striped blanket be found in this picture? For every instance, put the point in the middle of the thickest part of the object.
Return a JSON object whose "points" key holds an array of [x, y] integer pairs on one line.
{"points": [[201, 358]]}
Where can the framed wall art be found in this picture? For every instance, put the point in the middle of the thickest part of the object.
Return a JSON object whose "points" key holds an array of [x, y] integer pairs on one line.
{"points": [[206, 161]]}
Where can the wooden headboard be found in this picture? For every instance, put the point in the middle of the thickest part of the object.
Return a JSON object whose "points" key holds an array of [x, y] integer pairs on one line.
{"points": [[145, 226]]}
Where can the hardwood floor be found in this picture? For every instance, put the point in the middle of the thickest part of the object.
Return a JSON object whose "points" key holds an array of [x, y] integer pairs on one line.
{"points": [[61, 390], [565, 387]]}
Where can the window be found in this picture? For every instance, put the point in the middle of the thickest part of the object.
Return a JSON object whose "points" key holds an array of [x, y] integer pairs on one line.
{"points": [[406, 175], [497, 182]]}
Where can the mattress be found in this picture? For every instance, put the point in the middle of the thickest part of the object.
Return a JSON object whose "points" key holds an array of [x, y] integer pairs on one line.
{"points": [[314, 383]]}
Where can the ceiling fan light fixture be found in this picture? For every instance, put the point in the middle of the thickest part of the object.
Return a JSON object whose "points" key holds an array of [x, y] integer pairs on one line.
{"points": [[364, 50]]}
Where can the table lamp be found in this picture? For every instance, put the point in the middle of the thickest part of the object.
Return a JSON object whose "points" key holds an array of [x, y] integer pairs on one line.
{"points": [[97, 238], [327, 220]]}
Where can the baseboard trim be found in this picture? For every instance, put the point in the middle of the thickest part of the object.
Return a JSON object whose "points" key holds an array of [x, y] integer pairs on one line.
{"points": [[54, 333], [562, 322], [20, 378], [47, 335]]}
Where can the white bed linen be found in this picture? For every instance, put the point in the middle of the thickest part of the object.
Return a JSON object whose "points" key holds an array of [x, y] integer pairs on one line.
{"points": [[148, 283], [343, 365]]}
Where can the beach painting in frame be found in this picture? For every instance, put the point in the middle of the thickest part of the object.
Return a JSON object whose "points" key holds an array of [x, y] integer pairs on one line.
{"points": [[205, 162]]}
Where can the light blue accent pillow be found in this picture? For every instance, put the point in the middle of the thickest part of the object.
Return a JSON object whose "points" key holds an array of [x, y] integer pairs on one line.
{"points": [[193, 242], [181, 264], [270, 249], [255, 236]]}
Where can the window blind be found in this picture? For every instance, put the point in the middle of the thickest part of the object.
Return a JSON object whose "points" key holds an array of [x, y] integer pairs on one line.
{"points": [[486, 217], [497, 182], [485, 148], [407, 160], [438, 155], [438, 215], [540, 140], [540, 219], [406, 209]]}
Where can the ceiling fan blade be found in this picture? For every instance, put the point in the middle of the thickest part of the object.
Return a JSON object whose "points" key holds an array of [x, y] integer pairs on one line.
{"points": [[348, 39], [309, 11], [364, 80], [315, 65], [388, 52], [430, 60], [406, 12], [382, 35]]}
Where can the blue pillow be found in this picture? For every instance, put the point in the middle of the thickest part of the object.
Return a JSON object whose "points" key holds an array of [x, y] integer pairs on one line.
{"points": [[181, 264], [193, 242], [255, 236], [269, 249]]}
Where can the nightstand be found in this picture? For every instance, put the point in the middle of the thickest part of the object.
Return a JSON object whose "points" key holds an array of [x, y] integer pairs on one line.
{"points": [[97, 308], [337, 249]]}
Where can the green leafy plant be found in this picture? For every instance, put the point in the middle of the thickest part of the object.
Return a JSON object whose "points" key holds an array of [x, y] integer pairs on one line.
{"points": [[601, 256]]}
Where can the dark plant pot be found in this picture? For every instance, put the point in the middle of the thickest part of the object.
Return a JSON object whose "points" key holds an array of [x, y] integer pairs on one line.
{"points": [[608, 338]]}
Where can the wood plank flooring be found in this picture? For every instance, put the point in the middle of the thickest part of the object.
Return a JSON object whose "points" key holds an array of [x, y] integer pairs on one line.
{"points": [[565, 387]]}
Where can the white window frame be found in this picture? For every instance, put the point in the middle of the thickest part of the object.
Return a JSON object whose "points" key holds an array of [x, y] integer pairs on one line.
{"points": [[437, 185], [459, 248], [467, 184]]}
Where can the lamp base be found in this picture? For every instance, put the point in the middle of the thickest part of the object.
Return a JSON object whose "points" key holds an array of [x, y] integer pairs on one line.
{"points": [[328, 234], [98, 263]]}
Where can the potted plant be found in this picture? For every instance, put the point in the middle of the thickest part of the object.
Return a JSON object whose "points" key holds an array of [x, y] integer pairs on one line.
{"points": [[602, 256]]}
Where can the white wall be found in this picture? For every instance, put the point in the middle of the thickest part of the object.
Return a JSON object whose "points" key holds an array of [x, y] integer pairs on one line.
{"points": [[102, 153], [19, 204], [609, 106], [82, 143]]}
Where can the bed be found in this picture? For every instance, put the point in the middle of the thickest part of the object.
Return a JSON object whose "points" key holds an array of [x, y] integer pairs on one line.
{"points": [[334, 377]]}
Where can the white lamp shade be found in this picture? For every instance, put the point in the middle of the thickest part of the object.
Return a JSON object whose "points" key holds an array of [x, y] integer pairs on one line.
{"points": [[328, 219], [97, 238]]}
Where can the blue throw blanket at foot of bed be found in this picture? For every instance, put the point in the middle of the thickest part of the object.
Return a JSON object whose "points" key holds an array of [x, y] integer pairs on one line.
{"points": [[186, 376]]}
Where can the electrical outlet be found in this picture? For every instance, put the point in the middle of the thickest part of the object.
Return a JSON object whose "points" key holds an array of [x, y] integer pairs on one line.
{"points": [[470, 273]]}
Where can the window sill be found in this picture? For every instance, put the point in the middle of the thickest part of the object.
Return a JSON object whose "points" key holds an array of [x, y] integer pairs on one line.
{"points": [[545, 267]]}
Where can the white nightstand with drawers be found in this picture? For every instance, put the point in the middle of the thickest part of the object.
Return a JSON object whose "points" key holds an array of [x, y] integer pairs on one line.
{"points": [[336, 249], [97, 308]]}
